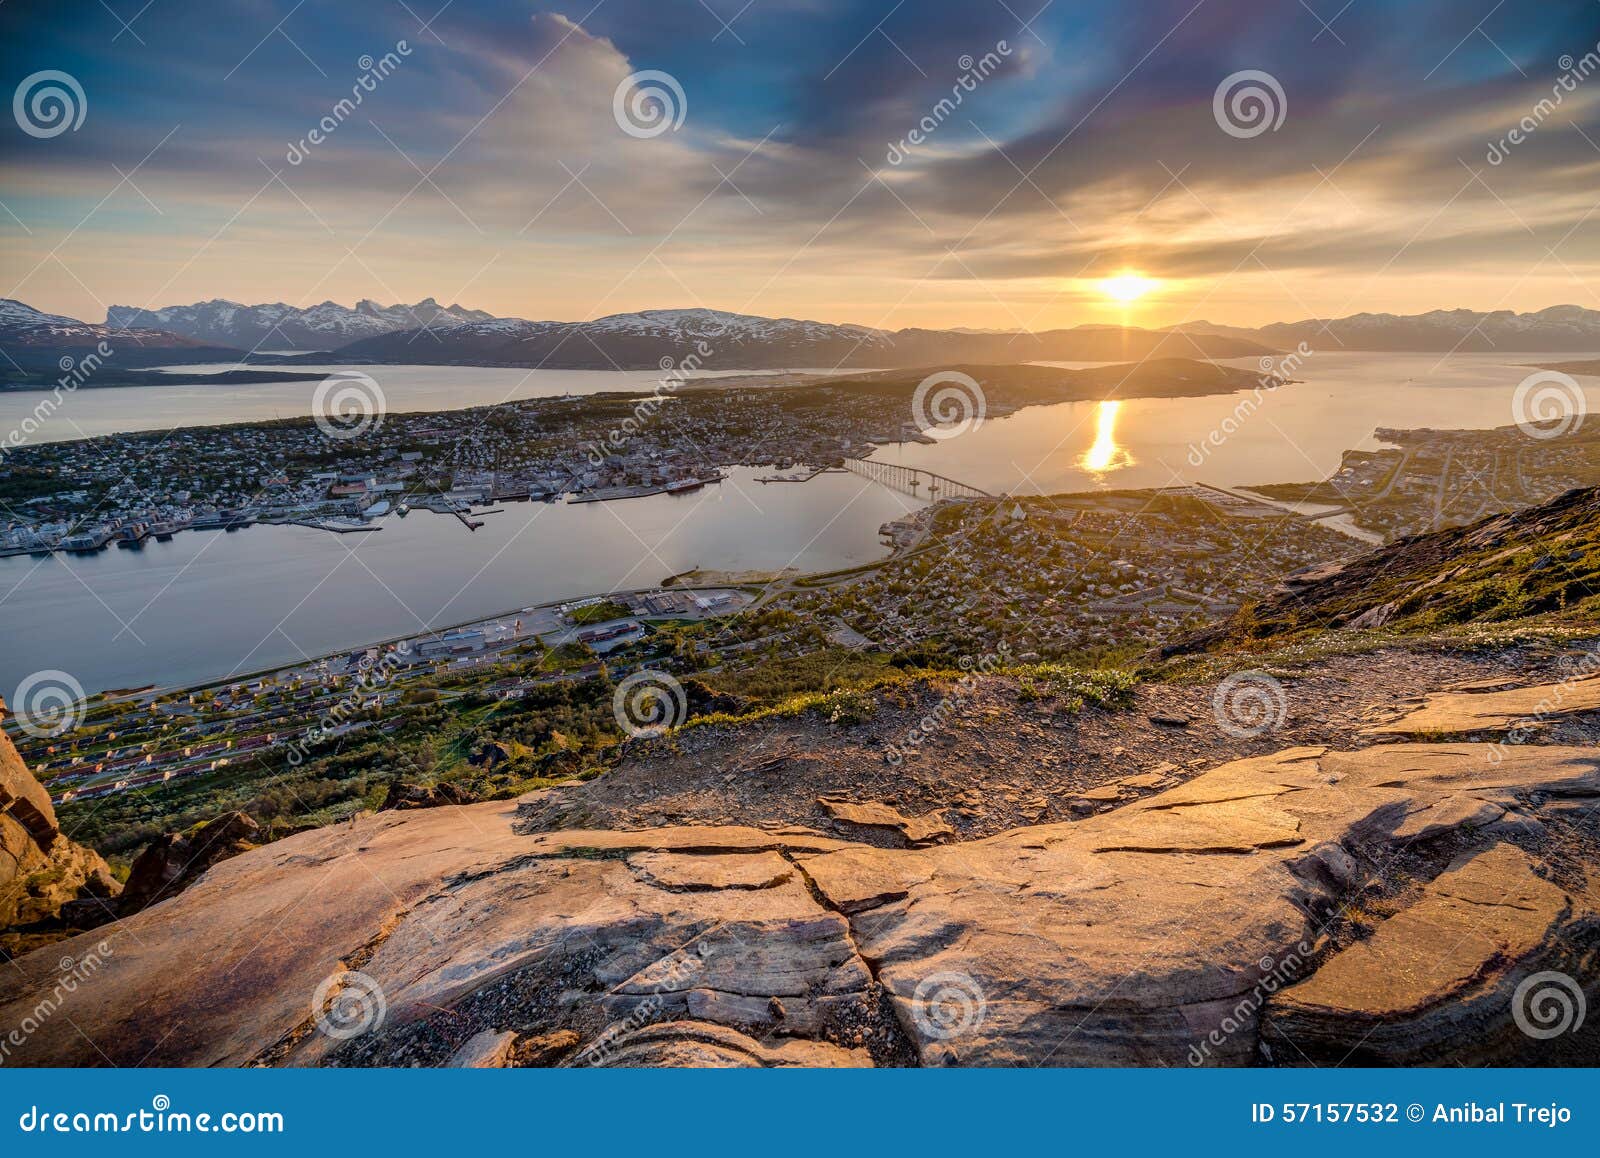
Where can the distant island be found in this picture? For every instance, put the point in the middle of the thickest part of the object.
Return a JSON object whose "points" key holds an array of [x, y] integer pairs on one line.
{"points": [[1589, 368]]}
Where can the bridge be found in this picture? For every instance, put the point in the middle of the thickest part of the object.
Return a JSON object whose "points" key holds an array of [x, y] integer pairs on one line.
{"points": [[923, 484]]}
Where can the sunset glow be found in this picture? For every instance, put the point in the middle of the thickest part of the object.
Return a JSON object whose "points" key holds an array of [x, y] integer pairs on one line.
{"points": [[1127, 287]]}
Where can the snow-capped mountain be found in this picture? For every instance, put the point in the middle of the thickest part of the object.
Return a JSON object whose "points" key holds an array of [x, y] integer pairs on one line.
{"points": [[29, 333], [278, 326], [715, 339], [429, 333]]}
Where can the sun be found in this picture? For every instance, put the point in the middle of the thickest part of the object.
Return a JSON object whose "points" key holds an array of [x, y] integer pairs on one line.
{"points": [[1127, 287]]}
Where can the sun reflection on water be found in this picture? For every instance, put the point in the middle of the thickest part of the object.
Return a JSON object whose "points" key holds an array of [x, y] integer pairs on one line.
{"points": [[1105, 455]]}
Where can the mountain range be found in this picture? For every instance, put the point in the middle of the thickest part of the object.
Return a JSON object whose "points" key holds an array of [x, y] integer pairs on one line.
{"points": [[429, 333], [278, 326], [22, 326], [1556, 329], [719, 340]]}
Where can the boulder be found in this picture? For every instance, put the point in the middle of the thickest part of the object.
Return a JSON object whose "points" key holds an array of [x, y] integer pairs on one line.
{"points": [[705, 699], [490, 755], [705, 1046], [543, 1049], [41, 870], [173, 862], [915, 831], [489, 1050]]}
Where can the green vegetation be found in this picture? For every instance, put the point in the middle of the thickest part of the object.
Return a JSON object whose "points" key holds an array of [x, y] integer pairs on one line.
{"points": [[1103, 687], [600, 612], [1542, 562], [532, 721]]}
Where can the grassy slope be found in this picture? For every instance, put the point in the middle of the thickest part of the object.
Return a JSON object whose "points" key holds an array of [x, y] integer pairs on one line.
{"points": [[1543, 561]]}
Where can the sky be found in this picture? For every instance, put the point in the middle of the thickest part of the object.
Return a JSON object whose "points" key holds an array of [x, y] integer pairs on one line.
{"points": [[808, 158]]}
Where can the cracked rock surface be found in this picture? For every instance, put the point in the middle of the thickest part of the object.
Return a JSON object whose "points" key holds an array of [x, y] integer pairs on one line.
{"points": [[1303, 900]]}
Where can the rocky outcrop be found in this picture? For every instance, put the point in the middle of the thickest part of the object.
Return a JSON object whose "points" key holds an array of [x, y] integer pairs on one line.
{"points": [[41, 870], [173, 862], [1133, 936], [1504, 567], [1456, 975], [1156, 933], [404, 796]]}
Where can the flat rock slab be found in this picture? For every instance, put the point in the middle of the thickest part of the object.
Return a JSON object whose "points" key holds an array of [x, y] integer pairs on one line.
{"points": [[686, 871], [917, 831], [703, 1045], [231, 965], [1441, 977], [1465, 712], [1128, 937], [485, 1051], [707, 839]]}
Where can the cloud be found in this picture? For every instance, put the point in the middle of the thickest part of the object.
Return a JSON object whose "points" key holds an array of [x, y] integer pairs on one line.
{"points": [[492, 159]]}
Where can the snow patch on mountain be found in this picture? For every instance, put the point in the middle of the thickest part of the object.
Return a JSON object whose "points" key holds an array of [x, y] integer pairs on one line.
{"points": [[278, 325]]}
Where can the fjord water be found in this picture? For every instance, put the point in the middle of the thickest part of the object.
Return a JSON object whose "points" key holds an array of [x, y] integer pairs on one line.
{"points": [[210, 603], [213, 603], [1296, 433], [125, 409]]}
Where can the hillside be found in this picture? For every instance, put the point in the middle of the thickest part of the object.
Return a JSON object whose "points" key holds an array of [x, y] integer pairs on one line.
{"points": [[1365, 864], [1558, 328], [1541, 561], [1232, 910]]}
